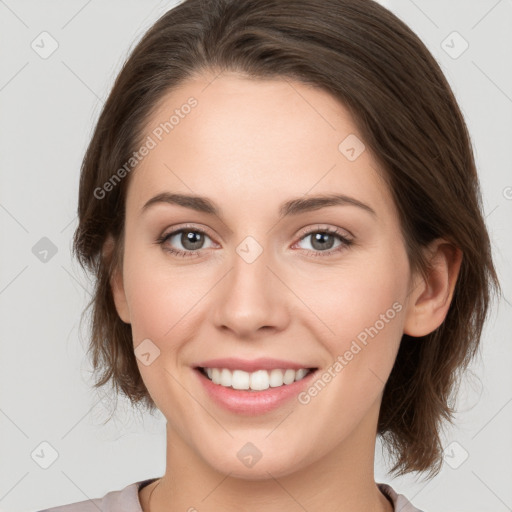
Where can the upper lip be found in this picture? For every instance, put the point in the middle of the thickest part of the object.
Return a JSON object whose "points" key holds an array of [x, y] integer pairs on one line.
{"points": [[263, 363]]}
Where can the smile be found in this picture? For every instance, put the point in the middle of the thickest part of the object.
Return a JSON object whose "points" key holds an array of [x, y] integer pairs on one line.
{"points": [[258, 380]]}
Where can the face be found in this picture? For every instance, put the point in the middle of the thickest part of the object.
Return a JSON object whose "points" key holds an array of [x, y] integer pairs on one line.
{"points": [[317, 284]]}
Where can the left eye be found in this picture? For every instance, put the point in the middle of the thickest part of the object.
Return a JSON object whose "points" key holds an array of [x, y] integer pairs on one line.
{"points": [[323, 241]]}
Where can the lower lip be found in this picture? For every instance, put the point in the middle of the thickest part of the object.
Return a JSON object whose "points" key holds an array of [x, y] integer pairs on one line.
{"points": [[253, 402]]}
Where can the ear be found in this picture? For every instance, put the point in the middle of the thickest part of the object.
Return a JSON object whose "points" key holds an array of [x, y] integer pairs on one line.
{"points": [[116, 283], [431, 297]]}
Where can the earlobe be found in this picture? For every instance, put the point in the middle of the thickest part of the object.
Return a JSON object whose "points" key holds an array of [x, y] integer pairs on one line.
{"points": [[431, 298], [116, 284]]}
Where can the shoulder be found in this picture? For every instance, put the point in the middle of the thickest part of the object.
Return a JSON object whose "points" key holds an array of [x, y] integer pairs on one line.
{"points": [[125, 500], [400, 502]]}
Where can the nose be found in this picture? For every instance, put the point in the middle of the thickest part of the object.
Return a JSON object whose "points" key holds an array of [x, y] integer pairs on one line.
{"points": [[253, 298]]}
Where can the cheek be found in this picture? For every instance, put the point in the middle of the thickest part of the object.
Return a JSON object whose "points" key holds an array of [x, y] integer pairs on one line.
{"points": [[367, 303], [157, 298], [161, 310], [354, 297], [363, 308]]}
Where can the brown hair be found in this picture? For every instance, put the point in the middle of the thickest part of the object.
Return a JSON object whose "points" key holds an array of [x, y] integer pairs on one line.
{"points": [[407, 114]]}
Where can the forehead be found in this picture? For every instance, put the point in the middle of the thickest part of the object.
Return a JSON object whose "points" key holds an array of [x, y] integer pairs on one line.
{"points": [[240, 140]]}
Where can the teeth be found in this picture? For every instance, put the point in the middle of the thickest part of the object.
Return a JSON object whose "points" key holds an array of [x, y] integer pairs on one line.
{"points": [[300, 374], [289, 376], [256, 381], [259, 380], [240, 380], [216, 375], [276, 378]]}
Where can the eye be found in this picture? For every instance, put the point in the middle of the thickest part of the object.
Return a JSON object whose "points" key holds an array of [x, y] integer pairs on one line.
{"points": [[191, 239], [322, 241]]}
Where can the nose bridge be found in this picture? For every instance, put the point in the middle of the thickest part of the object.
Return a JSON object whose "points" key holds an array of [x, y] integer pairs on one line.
{"points": [[250, 278], [251, 297]]}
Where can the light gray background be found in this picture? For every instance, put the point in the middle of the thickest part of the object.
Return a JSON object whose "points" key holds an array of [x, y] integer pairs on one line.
{"points": [[48, 108]]}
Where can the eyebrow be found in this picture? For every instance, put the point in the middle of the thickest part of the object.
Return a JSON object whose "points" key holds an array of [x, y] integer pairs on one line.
{"points": [[291, 207]]}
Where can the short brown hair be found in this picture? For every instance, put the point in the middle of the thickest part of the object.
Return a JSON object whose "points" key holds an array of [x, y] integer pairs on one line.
{"points": [[403, 106]]}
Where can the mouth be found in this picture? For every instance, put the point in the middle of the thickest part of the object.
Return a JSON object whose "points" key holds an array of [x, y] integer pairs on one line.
{"points": [[262, 386], [255, 381]]}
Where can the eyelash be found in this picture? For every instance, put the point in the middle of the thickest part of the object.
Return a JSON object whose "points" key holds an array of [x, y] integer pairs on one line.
{"points": [[345, 242]]}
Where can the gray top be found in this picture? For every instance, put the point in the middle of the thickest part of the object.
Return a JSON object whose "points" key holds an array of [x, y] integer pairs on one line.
{"points": [[127, 500]]}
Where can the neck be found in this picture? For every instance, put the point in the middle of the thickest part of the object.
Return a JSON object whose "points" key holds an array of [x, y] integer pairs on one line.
{"points": [[341, 480]]}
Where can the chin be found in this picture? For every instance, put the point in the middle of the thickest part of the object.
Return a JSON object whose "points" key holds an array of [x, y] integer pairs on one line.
{"points": [[248, 463]]}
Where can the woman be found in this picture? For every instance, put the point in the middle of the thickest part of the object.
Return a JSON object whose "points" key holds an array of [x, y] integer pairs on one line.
{"points": [[281, 209]]}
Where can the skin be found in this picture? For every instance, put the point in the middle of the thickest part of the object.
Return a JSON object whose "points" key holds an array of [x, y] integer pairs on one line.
{"points": [[249, 146]]}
